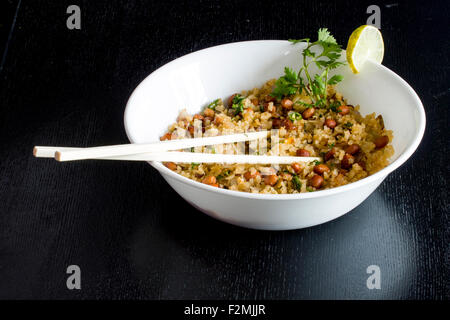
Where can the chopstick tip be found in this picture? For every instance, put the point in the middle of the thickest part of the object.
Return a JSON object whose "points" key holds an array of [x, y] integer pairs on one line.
{"points": [[57, 156]]}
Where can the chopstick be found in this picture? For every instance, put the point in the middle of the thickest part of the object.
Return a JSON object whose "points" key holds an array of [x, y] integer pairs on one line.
{"points": [[195, 157], [160, 151], [66, 154], [48, 152]]}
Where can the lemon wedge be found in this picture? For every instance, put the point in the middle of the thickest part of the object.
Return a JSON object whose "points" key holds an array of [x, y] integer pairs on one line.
{"points": [[364, 43]]}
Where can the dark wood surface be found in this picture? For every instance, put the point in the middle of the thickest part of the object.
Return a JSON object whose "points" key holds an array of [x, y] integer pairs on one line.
{"points": [[131, 235]]}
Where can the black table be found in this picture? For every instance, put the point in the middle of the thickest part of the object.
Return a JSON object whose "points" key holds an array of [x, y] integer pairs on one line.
{"points": [[130, 234]]}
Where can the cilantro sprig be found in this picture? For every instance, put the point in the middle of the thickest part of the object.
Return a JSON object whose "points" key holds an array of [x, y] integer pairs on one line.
{"points": [[315, 85]]}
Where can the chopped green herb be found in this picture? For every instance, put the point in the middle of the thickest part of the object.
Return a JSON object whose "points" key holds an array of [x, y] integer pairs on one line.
{"points": [[331, 145], [334, 105], [213, 104], [297, 183], [237, 98], [224, 174], [192, 149], [348, 125], [238, 104], [194, 165], [309, 189], [294, 116]]}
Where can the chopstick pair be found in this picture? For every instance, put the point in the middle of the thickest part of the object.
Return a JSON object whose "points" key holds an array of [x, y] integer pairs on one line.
{"points": [[160, 151]]}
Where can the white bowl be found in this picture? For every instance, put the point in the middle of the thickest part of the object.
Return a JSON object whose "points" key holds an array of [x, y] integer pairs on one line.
{"points": [[196, 79]]}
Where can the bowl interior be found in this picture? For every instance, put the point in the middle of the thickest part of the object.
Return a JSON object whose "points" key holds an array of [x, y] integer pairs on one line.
{"points": [[193, 81]]}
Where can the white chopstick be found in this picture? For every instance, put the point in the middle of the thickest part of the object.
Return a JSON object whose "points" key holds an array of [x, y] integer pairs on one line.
{"points": [[64, 154], [195, 157], [49, 152]]}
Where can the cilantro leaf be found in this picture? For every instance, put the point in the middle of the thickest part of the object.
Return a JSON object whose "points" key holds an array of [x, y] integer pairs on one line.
{"points": [[335, 64], [325, 36], [308, 53], [290, 75], [335, 79], [286, 85], [294, 41]]}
